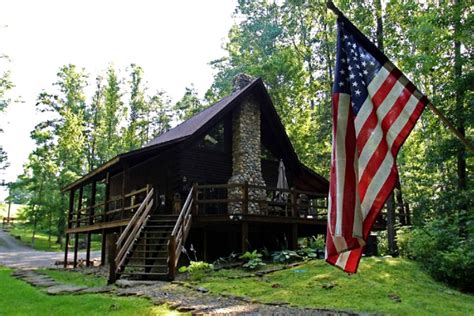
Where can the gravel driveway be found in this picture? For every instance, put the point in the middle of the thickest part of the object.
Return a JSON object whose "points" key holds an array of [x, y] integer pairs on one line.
{"points": [[16, 255]]}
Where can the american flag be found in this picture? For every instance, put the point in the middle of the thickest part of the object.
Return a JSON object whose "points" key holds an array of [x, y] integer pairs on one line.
{"points": [[375, 107]]}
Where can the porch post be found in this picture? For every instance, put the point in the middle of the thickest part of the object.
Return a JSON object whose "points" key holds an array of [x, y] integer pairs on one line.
{"points": [[104, 219], [91, 221], [78, 224], [245, 237], [294, 236], [111, 252], [69, 224]]}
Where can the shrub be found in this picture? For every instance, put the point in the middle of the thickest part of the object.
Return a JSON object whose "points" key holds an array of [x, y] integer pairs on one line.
{"points": [[254, 260], [438, 247], [309, 253], [197, 269], [284, 256]]}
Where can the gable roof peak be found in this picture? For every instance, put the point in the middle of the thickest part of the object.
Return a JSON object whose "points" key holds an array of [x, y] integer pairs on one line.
{"points": [[240, 81]]}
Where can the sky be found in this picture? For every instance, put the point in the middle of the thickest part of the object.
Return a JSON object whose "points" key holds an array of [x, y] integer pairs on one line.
{"points": [[173, 41]]}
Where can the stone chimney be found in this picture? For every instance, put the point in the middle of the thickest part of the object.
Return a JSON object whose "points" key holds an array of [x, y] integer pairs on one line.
{"points": [[246, 148]]}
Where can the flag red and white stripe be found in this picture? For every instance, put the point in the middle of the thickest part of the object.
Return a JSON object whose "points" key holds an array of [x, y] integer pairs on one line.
{"points": [[375, 107]]}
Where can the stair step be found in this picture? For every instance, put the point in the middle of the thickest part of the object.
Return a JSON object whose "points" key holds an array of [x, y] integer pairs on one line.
{"points": [[163, 251], [160, 244], [148, 258], [145, 266], [148, 239], [162, 220], [160, 226], [144, 273]]}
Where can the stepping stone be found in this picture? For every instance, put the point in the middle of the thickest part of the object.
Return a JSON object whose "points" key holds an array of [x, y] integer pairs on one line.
{"points": [[129, 292], [129, 283], [202, 290], [64, 289], [94, 290]]}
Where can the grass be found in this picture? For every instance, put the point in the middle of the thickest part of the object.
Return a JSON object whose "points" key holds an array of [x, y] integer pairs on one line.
{"points": [[19, 298], [76, 278], [318, 285], [25, 233]]}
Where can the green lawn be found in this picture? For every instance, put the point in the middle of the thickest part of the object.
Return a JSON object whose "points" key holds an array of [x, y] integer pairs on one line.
{"points": [[19, 298], [41, 239], [76, 278], [318, 285]]}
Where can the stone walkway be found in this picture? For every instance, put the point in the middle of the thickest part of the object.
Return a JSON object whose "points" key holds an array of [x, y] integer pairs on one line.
{"points": [[176, 295]]}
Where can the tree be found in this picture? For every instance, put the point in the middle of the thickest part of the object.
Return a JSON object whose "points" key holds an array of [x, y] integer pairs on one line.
{"points": [[5, 85], [66, 136], [189, 105], [149, 115]]}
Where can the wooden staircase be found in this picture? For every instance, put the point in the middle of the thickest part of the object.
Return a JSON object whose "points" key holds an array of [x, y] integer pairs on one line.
{"points": [[150, 246]]}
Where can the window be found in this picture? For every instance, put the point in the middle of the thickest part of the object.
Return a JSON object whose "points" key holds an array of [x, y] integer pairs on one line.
{"points": [[214, 139]]}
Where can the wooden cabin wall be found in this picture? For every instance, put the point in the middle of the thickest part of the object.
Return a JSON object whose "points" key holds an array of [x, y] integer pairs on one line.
{"points": [[159, 171], [207, 166]]}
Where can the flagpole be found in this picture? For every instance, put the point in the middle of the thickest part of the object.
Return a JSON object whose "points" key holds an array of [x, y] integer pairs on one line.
{"points": [[330, 5]]}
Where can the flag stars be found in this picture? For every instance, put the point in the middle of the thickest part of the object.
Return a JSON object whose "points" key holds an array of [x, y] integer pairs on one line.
{"points": [[342, 71], [352, 76], [350, 68], [365, 72], [341, 83], [364, 63], [357, 92], [355, 84]]}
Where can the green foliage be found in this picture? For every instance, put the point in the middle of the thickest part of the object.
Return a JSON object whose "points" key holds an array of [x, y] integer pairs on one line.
{"points": [[284, 256], [253, 260], [445, 255], [189, 105], [197, 269], [79, 135], [377, 281], [5, 85], [226, 260]]}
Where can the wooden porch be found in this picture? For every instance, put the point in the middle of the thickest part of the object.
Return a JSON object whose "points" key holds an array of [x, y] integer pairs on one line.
{"points": [[146, 240]]}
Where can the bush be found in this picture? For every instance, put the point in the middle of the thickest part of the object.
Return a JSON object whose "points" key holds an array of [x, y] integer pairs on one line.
{"points": [[197, 269], [284, 256], [438, 247], [254, 260]]}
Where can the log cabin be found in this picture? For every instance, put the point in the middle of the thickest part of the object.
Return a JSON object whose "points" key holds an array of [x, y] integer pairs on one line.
{"points": [[210, 181]]}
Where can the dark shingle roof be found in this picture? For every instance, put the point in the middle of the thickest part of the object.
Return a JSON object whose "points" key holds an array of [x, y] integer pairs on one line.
{"points": [[192, 125]]}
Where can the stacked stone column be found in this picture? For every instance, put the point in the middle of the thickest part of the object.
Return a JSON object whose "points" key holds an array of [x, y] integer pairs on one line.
{"points": [[246, 155]]}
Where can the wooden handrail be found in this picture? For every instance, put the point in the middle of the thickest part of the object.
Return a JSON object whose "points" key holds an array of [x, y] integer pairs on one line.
{"points": [[135, 217], [179, 233], [130, 234]]}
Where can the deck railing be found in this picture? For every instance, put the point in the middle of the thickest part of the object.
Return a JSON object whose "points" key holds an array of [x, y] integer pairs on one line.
{"points": [[115, 208], [259, 200]]}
